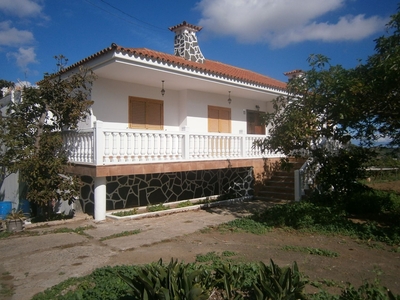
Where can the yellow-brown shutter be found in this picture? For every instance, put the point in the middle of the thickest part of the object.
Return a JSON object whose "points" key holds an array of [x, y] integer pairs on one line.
{"points": [[219, 119], [146, 113]]}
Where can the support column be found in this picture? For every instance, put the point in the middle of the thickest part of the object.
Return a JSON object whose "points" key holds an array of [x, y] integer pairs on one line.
{"points": [[100, 198]]}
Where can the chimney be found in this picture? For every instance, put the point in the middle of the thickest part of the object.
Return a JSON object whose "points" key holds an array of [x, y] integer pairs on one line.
{"points": [[294, 74], [186, 44]]}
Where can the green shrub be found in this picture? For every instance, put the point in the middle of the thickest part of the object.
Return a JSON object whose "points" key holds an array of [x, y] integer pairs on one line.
{"points": [[373, 202]]}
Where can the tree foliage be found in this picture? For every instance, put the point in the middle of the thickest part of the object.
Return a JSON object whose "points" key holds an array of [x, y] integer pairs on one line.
{"points": [[31, 134], [330, 106]]}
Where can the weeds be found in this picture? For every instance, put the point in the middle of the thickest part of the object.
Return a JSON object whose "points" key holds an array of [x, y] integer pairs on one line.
{"points": [[121, 234], [157, 207], [310, 250], [126, 213], [185, 204]]}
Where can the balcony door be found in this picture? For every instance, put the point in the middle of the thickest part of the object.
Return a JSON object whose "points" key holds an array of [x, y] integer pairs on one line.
{"points": [[146, 113], [255, 124], [219, 119]]}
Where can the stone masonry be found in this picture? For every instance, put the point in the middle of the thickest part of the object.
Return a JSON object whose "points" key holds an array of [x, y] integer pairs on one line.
{"points": [[149, 189], [186, 44]]}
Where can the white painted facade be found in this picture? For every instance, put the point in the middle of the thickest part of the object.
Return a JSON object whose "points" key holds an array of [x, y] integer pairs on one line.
{"points": [[184, 110]]}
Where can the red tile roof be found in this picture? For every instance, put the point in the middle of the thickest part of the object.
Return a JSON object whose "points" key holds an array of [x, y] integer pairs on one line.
{"points": [[208, 67]]}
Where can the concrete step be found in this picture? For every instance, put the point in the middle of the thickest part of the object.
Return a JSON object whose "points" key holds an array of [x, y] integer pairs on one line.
{"points": [[276, 195]]}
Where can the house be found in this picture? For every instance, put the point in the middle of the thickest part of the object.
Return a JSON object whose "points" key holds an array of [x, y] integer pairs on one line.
{"points": [[167, 127]]}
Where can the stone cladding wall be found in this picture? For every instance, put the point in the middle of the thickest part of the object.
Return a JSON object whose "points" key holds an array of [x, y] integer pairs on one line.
{"points": [[186, 46], [149, 189]]}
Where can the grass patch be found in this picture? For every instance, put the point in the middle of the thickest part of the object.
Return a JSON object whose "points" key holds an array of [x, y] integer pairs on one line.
{"points": [[157, 207], [120, 234], [126, 213], [5, 234], [309, 217], [310, 250], [208, 257], [6, 290], [244, 225], [185, 204]]}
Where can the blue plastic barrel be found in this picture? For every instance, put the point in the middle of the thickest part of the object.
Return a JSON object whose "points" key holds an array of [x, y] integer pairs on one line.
{"points": [[5, 209], [25, 206]]}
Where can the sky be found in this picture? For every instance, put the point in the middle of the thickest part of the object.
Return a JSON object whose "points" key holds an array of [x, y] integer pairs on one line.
{"points": [[266, 36]]}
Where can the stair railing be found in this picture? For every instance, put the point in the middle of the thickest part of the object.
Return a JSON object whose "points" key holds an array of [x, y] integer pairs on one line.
{"points": [[305, 176]]}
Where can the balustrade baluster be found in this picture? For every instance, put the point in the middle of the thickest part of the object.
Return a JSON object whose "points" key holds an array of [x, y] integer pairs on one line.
{"points": [[150, 146], [121, 157], [106, 146], [196, 147], [180, 142], [168, 146], [206, 150], [129, 147], [156, 146], [191, 147], [114, 146], [222, 142], [174, 147], [201, 147], [162, 146], [143, 153], [136, 145]]}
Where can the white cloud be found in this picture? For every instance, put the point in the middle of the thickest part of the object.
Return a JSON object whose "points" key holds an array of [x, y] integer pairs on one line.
{"points": [[11, 36], [24, 57], [21, 8], [283, 22]]}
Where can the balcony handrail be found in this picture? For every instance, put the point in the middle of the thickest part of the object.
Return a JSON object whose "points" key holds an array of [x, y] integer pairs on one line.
{"points": [[106, 145]]}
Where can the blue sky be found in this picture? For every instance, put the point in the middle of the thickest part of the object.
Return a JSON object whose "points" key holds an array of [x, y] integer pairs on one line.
{"points": [[267, 36]]}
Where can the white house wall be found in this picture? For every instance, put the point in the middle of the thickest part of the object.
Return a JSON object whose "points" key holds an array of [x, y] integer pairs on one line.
{"points": [[111, 102], [183, 110]]}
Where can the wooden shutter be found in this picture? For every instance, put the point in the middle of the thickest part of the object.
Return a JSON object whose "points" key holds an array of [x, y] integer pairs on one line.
{"points": [[254, 123], [154, 115], [219, 119], [146, 113], [213, 119]]}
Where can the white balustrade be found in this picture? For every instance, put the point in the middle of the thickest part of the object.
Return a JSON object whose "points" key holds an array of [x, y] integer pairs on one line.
{"points": [[102, 145]]}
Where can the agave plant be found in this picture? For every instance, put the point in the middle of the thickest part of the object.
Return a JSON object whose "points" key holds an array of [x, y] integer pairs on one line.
{"points": [[173, 281], [275, 283]]}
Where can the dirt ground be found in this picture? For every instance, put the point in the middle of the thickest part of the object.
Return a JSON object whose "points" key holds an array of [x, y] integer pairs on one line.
{"points": [[357, 261], [387, 186], [31, 264]]}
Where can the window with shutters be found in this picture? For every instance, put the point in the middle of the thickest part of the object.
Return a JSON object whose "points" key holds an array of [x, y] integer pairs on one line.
{"points": [[219, 119], [146, 113], [255, 124]]}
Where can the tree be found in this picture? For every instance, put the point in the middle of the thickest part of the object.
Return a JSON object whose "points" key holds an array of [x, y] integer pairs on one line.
{"points": [[380, 82], [31, 134], [5, 84], [330, 105]]}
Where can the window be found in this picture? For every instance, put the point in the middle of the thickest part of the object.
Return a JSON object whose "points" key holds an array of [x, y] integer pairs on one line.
{"points": [[146, 113], [219, 119], [255, 123]]}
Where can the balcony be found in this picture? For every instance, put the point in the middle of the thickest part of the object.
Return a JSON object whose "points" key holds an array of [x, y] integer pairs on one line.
{"points": [[105, 145]]}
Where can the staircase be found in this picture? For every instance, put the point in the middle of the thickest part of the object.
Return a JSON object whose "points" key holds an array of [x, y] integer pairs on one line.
{"points": [[280, 187]]}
